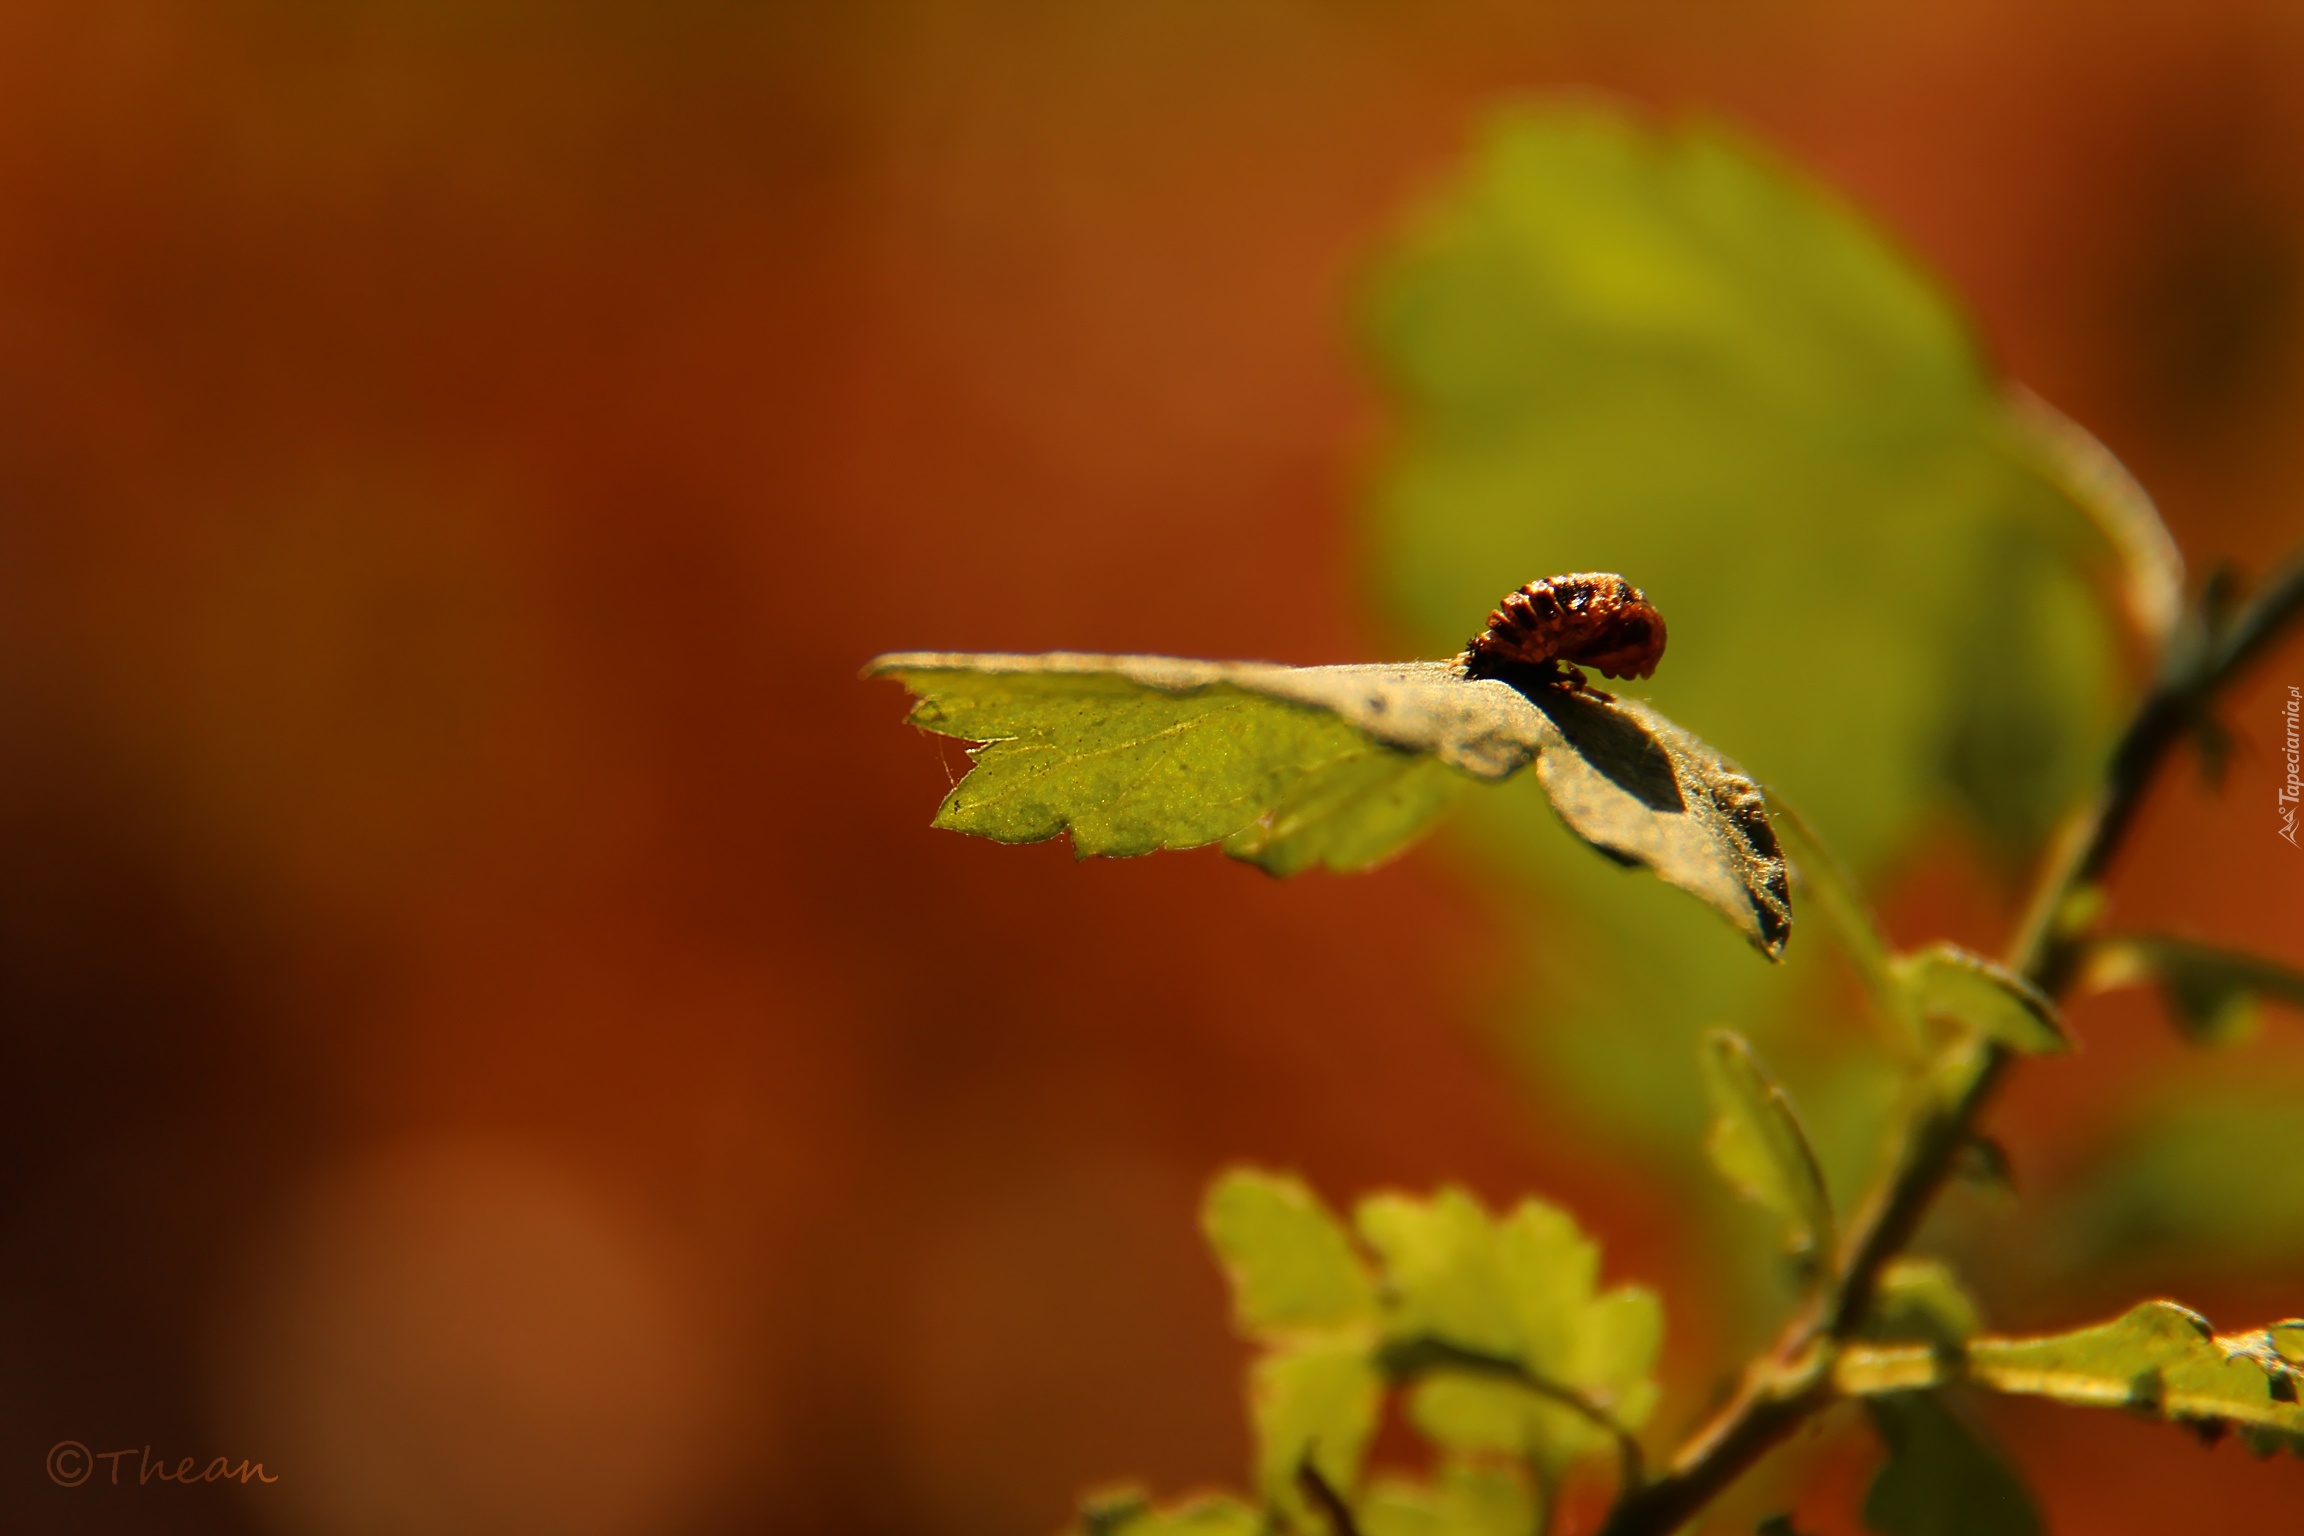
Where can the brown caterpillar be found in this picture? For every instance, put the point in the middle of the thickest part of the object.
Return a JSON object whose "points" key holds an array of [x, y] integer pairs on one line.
{"points": [[1596, 618]]}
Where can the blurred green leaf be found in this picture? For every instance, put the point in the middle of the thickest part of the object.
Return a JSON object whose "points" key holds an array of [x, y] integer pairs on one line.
{"points": [[1922, 1300], [1478, 1308], [1941, 1478], [1129, 1513], [1440, 1265], [1759, 1147], [2157, 1359], [1293, 766], [1291, 1263], [1315, 1402], [1658, 350], [2209, 1182], [1946, 982], [2152, 567], [2211, 993], [2165, 1360], [1465, 1500]]}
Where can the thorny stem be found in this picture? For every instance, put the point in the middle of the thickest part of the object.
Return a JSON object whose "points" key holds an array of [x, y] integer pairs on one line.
{"points": [[1782, 1389]]}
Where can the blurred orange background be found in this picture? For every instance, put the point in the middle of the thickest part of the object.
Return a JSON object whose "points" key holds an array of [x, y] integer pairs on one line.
{"points": [[487, 1029]]}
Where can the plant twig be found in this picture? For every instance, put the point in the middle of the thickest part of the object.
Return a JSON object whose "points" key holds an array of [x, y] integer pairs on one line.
{"points": [[1321, 1495], [1784, 1388]]}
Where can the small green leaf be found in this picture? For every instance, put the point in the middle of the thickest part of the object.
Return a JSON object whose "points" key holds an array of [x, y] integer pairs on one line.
{"points": [[2164, 1360], [1466, 1500], [1291, 767], [2211, 993], [1942, 1479], [1128, 1513], [1921, 1299], [2151, 566], [1494, 1320], [1947, 982], [1291, 1263], [1757, 1144], [1441, 1271], [1317, 1402]]}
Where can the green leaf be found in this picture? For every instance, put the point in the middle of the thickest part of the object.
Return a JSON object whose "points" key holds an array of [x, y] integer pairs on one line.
{"points": [[1614, 344], [1316, 1402], [1758, 1146], [1127, 1512], [1291, 1263], [2151, 566], [1441, 1271], [1921, 1299], [1941, 1479], [1493, 1319], [1948, 983], [1294, 766], [2157, 1359], [1466, 1500], [2211, 993], [2210, 1181], [2165, 1360]]}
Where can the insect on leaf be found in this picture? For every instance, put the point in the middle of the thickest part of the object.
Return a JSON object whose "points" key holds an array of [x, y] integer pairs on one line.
{"points": [[1946, 982], [1942, 1478], [1291, 767], [1757, 1144]]}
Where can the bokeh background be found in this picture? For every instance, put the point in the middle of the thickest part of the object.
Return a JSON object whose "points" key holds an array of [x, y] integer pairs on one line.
{"points": [[485, 1027]]}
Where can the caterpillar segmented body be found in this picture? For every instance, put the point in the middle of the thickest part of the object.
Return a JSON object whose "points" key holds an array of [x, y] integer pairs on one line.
{"points": [[1593, 618]]}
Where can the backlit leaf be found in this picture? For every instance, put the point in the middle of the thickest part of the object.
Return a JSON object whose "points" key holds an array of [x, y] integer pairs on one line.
{"points": [[1615, 344], [1289, 767], [2157, 1359], [2164, 1360], [1758, 1146], [1291, 1263], [1922, 1300], [1946, 982], [1465, 1500], [1314, 1402], [1129, 1513]]}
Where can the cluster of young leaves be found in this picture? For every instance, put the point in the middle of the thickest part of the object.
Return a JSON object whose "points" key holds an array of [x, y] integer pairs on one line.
{"points": [[1513, 1363]]}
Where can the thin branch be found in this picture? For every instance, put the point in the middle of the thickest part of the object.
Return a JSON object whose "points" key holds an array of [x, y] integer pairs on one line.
{"points": [[1324, 1497], [1784, 1388]]}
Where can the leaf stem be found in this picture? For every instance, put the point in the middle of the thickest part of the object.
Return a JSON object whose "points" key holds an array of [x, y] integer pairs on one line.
{"points": [[1427, 1354], [1322, 1495], [1782, 1389]]}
